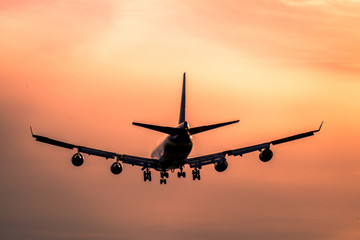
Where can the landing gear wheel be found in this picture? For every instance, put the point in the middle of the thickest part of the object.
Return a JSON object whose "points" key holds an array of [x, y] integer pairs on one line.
{"points": [[164, 174], [147, 175], [181, 173], [196, 174]]}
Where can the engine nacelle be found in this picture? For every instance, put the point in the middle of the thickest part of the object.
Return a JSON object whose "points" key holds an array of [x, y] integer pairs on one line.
{"points": [[221, 166], [116, 168], [77, 159], [266, 155]]}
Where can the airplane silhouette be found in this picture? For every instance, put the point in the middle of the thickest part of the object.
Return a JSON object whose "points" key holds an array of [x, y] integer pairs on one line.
{"points": [[172, 153]]}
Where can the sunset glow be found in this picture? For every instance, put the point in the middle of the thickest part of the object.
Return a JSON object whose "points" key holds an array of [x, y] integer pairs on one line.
{"points": [[82, 71]]}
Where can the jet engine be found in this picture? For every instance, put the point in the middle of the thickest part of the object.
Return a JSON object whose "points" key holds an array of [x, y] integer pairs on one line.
{"points": [[221, 166], [266, 155], [77, 159], [116, 168]]}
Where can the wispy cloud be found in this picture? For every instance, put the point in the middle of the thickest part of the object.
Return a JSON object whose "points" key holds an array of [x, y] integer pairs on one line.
{"points": [[341, 7]]}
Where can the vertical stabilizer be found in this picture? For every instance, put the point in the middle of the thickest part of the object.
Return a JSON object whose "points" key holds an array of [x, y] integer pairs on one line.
{"points": [[182, 106]]}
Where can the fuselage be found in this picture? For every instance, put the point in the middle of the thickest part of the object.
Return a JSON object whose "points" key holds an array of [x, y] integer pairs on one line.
{"points": [[173, 151]]}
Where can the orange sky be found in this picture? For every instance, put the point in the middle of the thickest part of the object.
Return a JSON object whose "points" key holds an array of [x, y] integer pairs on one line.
{"points": [[82, 71]]}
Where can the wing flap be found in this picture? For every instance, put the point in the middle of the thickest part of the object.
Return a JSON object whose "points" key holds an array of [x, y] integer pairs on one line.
{"points": [[205, 160], [96, 152], [53, 142], [297, 136], [139, 161], [292, 138], [244, 150]]}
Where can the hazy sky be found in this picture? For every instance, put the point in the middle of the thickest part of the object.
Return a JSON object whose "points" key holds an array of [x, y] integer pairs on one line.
{"points": [[82, 71]]}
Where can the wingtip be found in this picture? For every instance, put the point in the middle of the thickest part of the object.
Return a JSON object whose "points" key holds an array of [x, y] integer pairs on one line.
{"points": [[321, 125], [32, 134]]}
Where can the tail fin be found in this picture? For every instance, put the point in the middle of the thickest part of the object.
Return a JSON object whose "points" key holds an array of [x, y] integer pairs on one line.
{"points": [[182, 106], [180, 129]]}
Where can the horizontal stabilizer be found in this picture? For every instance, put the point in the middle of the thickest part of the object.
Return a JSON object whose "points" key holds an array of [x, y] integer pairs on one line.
{"points": [[167, 130], [196, 130]]}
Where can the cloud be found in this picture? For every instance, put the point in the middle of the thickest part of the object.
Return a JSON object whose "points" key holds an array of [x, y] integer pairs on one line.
{"points": [[53, 26], [54, 77], [296, 32], [339, 7]]}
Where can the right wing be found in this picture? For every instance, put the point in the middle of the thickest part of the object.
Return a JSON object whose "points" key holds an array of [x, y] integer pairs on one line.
{"points": [[127, 159], [220, 157]]}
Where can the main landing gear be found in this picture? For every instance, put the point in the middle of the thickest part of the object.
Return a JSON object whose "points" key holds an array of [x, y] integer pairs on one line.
{"points": [[163, 175], [181, 173], [196, 174], [147, 175]]}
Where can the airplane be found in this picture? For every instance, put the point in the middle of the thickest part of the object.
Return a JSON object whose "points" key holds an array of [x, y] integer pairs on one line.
{"points": [[173, 152]]}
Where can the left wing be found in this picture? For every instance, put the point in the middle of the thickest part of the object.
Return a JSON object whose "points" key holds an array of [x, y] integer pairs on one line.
{"points": [[127, 159], [220, 157]]}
